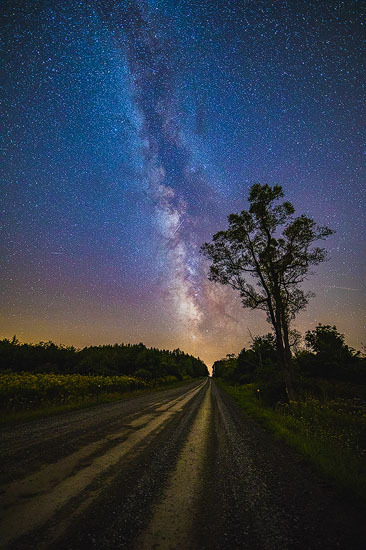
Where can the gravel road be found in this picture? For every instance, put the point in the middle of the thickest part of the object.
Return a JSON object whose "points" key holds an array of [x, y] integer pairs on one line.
{"points": [[181, 468]]}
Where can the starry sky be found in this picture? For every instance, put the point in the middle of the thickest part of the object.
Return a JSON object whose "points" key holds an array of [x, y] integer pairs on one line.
{"points": [[133, 128]]}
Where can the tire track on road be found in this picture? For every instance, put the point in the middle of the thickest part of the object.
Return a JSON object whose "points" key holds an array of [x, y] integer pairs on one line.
{"points": [[173, 516]]}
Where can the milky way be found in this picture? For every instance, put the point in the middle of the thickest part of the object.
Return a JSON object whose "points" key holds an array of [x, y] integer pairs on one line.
{"points": [[134, 128], [174, 183]]}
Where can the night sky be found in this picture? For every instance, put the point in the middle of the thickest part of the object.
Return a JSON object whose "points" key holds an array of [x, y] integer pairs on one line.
{"points": [[133, 128]]}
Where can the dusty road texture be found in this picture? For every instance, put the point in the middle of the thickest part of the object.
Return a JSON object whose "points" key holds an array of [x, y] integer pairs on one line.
{"points": [[180, 468]]}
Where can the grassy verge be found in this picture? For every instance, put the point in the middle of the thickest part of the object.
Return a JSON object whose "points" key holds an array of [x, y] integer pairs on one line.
{"points": [[330, 435], [10, 417]]}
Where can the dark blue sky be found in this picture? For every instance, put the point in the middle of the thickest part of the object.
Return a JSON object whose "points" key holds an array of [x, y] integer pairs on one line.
{"points": [[133, 128]]}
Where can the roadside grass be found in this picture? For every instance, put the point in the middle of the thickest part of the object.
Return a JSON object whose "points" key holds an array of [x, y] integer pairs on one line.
{"points": [[25, 396], [330, 434], [12, 416]]}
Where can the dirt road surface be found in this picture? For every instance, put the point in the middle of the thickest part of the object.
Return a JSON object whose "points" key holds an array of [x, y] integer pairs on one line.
{"points": [[177, 469]]}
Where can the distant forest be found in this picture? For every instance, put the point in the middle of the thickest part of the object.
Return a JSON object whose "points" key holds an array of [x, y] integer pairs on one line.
{"points": [[109, 360]]}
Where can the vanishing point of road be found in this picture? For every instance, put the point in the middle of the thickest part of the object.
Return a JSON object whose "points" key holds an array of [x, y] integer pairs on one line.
{"points": [[176, 469]]}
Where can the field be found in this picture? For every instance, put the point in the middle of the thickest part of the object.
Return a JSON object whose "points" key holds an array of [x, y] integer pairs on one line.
{"points": [[27, 395]]}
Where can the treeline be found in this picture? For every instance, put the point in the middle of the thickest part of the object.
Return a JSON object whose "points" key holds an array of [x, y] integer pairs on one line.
{"points": [[108, 360], [326, 361]]}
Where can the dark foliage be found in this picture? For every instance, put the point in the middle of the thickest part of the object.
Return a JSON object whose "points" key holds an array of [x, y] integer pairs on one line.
{"points": [[318, 370], [330, 358], [259, 365], [112, 360]]}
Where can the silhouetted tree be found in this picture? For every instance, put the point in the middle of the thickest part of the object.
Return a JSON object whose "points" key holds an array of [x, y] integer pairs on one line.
{"points": [[327, 341], [333, 359], [266, 254]]}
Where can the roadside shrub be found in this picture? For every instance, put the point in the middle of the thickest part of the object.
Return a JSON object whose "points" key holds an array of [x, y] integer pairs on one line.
{"points": [[143, 373]]}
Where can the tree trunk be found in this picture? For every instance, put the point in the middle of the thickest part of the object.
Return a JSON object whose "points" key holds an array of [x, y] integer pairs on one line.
{"points": [[289, 380], [288, 359], [282, 346], [284, 357]]}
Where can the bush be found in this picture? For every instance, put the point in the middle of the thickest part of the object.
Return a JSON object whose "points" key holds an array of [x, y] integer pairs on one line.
{"points": [[271, 384], [143, 373]]}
